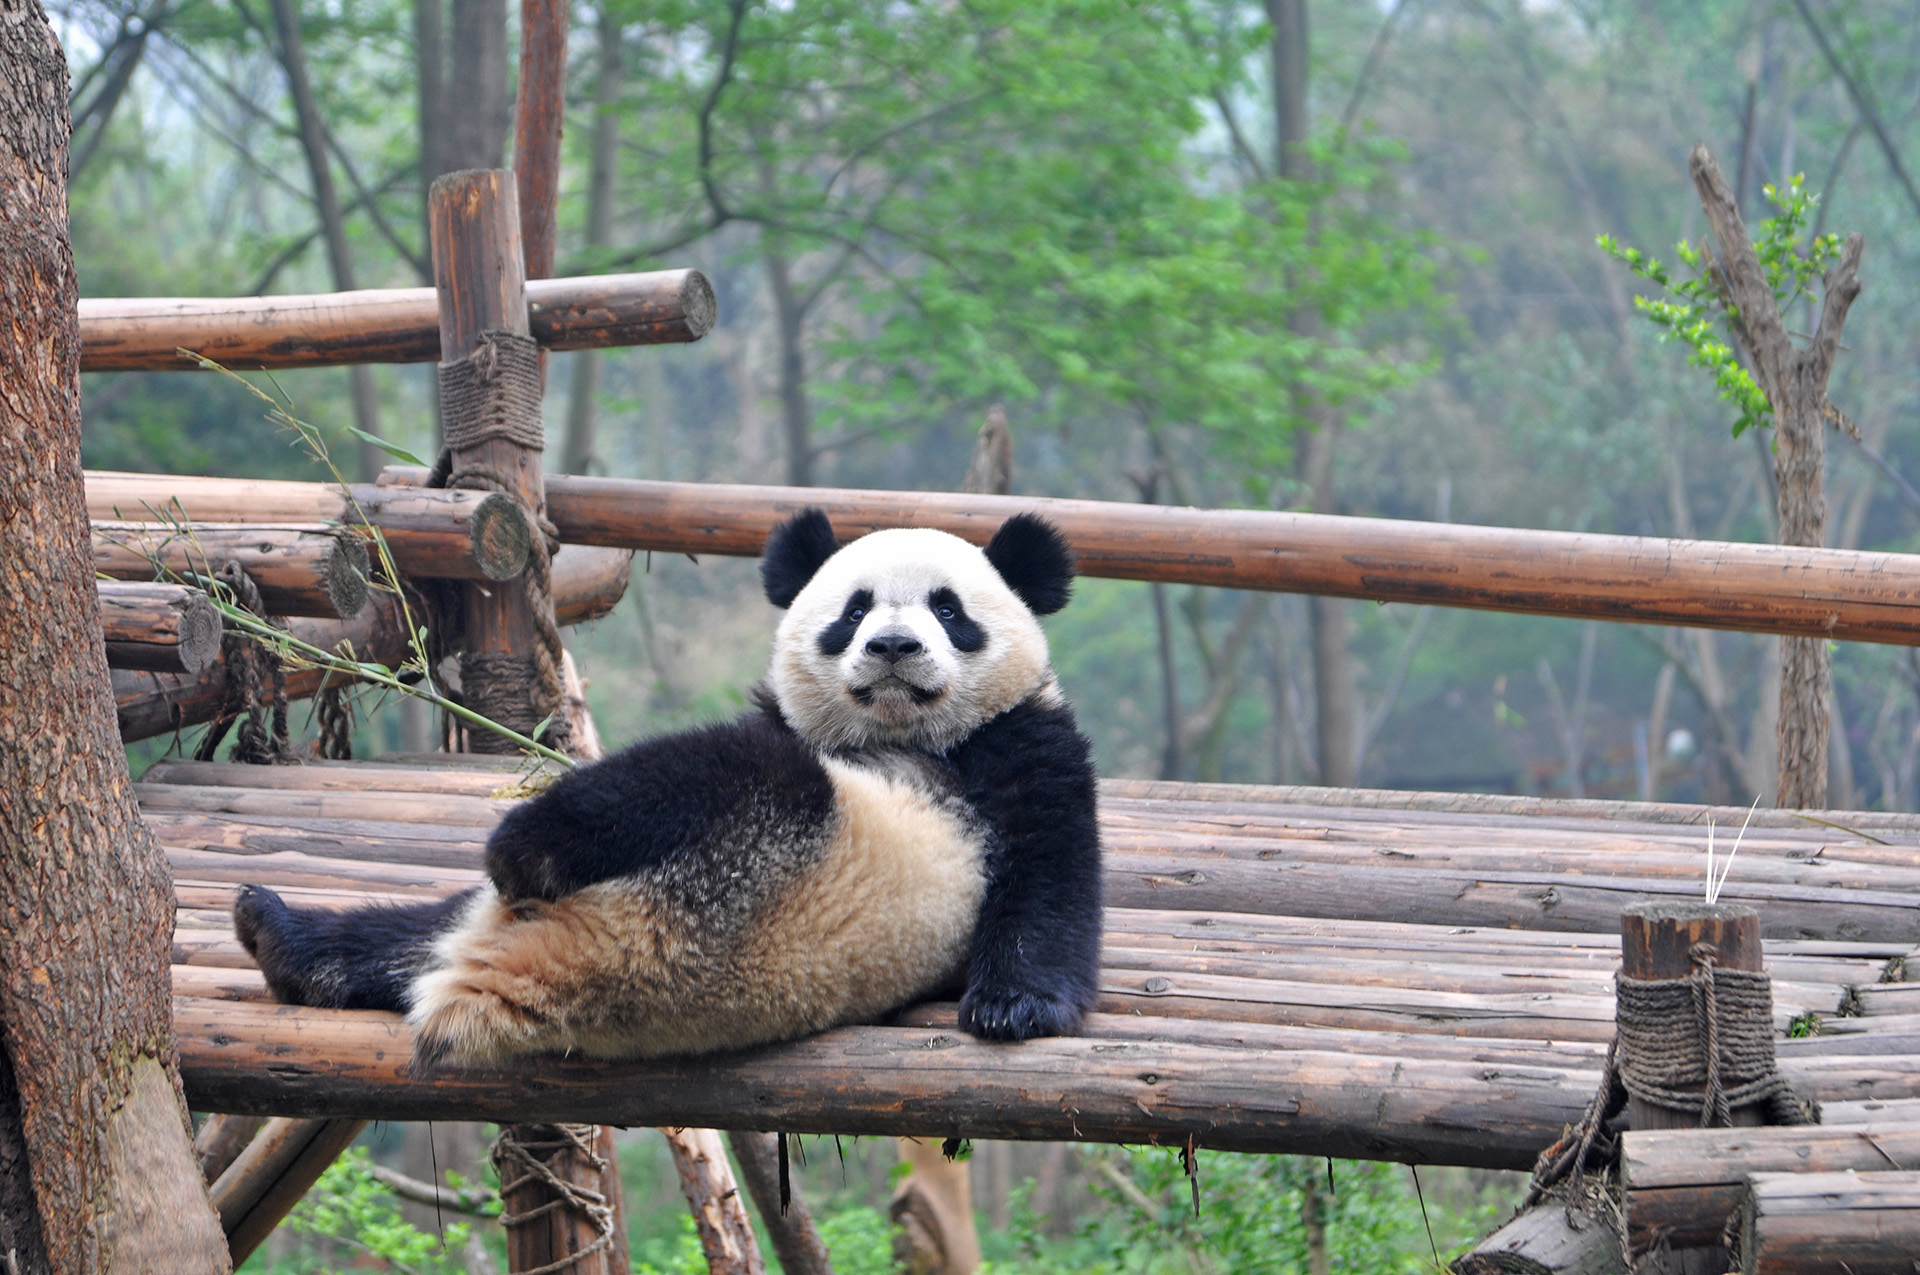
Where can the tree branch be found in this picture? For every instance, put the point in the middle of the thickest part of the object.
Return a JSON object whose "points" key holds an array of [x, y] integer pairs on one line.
{"points": [[1744, 287], [1842, 285], [1860, 102]]}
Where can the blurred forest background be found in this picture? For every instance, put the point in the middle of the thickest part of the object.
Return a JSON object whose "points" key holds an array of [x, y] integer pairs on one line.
{"points": [[1376, 292], [1337, 257]]}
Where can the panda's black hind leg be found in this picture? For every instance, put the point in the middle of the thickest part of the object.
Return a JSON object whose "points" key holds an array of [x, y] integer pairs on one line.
{"points": [[365, 958]]}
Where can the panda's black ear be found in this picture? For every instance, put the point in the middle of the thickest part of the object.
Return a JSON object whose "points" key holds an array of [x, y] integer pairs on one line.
{"points": [[1033, 558], [797, 548]]}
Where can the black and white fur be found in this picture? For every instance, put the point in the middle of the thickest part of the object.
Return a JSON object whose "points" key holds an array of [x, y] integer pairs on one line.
{"points": [[911, 808]]}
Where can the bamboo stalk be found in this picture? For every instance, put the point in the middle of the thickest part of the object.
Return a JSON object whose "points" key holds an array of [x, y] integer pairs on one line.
{"points": [[390, 325]]}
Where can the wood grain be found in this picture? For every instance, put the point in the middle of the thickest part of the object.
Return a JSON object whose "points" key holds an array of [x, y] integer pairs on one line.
{"points": [[159, 628], [395, 325]]}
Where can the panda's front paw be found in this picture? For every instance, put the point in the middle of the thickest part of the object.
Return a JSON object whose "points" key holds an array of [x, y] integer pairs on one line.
{"points": [[999, 1012]]}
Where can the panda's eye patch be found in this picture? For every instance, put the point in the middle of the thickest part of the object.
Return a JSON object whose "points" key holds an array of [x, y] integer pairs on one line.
{"points": [[962, 631], [836, 637]]}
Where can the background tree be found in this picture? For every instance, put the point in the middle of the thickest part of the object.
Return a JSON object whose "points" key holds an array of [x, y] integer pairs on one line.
{"points": [[96, 1167]]}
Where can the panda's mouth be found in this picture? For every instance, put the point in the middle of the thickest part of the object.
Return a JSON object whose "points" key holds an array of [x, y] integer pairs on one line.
{"points": [[892, 689]]}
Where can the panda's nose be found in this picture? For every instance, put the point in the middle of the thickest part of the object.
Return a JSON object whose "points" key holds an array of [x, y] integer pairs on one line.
{"points": [[893, 647]]}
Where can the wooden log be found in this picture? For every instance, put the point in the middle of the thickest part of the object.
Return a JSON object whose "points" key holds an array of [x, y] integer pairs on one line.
{"points": [[220, 1140], [796, 1241], [1839, 594], [263, 1184], [1550, 1239], [719, 1215], [432, 532], [895, 1081], [1682, 1185], [1521, 900], [1553, 811], [311, 570], [1832, 1224], [587, 584], [541, 1232], [158, 628], [392, 325], [479, 269], [1656, 940], [1831, 593]]}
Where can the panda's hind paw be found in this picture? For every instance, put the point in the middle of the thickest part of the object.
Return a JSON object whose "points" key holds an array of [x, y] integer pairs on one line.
{"points": [[1014, 1013]]}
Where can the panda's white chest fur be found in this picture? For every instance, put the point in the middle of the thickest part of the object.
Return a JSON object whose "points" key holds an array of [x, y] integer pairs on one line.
{"points": [[887, 913]]}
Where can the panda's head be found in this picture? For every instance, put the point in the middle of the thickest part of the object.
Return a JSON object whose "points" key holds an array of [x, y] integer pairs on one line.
{"points": [[911, 638]]}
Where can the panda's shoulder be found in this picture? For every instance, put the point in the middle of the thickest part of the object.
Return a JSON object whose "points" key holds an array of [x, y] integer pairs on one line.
{"points": [[1036, 739]]}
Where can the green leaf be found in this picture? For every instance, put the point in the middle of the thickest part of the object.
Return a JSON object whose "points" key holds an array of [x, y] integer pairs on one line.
{"points": [[392, 449]]}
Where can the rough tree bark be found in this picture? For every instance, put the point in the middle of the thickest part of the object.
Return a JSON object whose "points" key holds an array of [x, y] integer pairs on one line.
{"points": [[1336, 718], [1795, 382], [90, 1103], [333, 223]]}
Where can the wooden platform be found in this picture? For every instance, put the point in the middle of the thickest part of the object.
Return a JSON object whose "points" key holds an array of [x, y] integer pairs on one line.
{"points": [[1414, 977]]}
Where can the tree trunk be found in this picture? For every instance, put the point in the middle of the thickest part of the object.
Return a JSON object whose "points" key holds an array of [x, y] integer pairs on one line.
{"points": [[90, 1103], [796, 413], [473, 131], [430, 53], [1330, 619], [333, 226], [1795, 381], [605, 157]]}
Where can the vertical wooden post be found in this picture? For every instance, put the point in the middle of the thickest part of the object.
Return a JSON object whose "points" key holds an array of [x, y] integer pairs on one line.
{"points": [[1656, 943], [1656, 940], [477, 266], [480, 272]]}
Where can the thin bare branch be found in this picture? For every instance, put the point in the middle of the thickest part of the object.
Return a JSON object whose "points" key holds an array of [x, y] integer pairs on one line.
{"points": [[1861, 102]]}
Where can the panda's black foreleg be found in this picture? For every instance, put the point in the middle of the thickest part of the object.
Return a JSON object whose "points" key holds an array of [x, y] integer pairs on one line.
{"points": [[362, 958], [1036, 948]]}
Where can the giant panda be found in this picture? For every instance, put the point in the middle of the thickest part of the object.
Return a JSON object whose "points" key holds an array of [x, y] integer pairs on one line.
{"points": [[908, 809]]}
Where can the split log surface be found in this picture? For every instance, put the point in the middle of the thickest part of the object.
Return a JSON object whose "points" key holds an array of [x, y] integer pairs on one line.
{"points": [[1683, 1184], [158, 628], [1833, 1224], [311, 570], [391, 325]]}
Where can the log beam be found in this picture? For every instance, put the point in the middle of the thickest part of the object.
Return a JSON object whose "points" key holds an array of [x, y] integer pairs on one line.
{"points": [[158, 628], [281, 1059], [1683, 1184], [432, 532], [1832, 1224], [268, 1178], [393, 325], [1844, 595], [311, 570], [587, 584]]}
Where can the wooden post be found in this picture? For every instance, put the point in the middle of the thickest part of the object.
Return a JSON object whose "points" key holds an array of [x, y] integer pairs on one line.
{"points": [[1655, 942]]}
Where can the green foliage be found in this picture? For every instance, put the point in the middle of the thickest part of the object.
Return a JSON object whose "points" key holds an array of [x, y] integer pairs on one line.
{"points": [[350, 1209], [1700, 311]]}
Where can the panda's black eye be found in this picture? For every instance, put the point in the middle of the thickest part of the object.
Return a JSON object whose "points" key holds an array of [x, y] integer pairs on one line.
{"points": [[856, 614], [945, 613]]}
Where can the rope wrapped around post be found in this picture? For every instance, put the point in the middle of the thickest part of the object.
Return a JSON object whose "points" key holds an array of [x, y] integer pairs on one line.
{"points": [[520, 1161], [494, 393], [1702, 1044], [250, 664]]}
